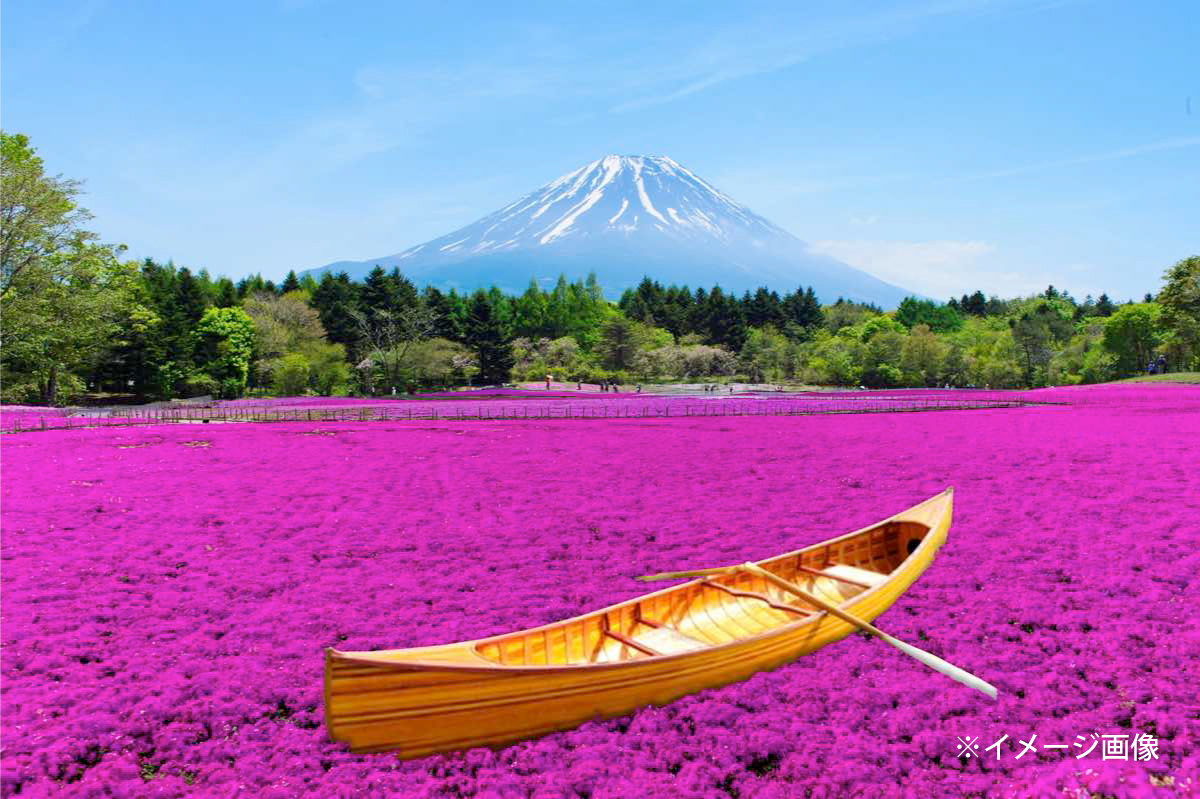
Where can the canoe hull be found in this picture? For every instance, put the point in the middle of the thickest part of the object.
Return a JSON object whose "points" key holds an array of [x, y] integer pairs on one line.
{"points": [[456, 700]]}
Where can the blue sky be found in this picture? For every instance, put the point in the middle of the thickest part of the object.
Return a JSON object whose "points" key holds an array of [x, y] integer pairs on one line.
{"points": [[944, 146]]}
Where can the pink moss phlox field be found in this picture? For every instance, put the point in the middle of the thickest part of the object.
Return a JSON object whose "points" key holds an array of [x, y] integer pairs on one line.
{"points": [[168, 591]]}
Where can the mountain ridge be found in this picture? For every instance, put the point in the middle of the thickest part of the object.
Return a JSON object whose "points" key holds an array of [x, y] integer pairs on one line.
{"points": [[626, 217]]}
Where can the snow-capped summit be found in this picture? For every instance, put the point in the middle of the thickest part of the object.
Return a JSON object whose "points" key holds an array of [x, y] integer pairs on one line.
{"points": [[627, 216], [619, 195]]}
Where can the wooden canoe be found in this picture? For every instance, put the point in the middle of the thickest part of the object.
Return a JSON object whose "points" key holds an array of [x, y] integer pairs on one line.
{"points": [[646, 651]]}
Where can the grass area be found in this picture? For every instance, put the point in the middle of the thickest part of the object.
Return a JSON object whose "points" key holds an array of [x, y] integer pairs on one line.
{"points": [[1170, 377]]}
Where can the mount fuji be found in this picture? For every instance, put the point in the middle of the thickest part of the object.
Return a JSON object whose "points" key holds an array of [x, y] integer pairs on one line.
{"points": [[626, 217]]}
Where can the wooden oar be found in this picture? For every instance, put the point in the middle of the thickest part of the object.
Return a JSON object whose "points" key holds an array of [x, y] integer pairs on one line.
{"points": [[932, 661]]}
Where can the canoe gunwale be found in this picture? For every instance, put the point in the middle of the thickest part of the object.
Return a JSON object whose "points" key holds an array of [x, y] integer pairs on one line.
{"points": [[379, 659]]}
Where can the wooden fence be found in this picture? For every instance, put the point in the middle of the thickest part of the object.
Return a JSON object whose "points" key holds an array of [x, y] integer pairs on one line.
{"points": [[483, 411]]}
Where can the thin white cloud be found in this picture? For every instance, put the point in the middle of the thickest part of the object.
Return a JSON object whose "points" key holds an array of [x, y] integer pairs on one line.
{"points": [[937, 269], [767, 45], [391, 108], [393, 105], [1178, 143]]}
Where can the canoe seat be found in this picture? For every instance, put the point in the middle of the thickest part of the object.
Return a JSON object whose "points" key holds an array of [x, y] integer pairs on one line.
{"points": [[636, 645], [864, 576], [668, 640]]}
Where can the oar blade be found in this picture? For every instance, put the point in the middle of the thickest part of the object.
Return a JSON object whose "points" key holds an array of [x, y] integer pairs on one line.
{"points": [[949, 669], [932, 661]]}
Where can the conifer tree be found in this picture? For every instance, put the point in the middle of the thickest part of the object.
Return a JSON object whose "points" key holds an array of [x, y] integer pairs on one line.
{"points": [[530, 311], [336, 301], [404, 291], [446, 314], [974, 304], [725, 323], [801, 312], [190, 298], [226, 294], [486, 334], [376, 295], [676, 311]]}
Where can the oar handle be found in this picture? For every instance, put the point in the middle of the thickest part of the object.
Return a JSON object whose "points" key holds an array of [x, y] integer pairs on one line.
{"points": [[646, 578]]}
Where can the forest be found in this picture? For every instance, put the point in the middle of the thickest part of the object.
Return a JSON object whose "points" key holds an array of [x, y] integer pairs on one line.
{"points": [[81, 322]]}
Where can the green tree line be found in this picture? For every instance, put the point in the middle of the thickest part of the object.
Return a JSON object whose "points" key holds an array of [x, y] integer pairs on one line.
{"points": [[77, 319]]}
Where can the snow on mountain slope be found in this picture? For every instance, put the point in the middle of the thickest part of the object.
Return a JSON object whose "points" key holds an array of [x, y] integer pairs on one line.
{"points": [[622, 196], [625, 217]]}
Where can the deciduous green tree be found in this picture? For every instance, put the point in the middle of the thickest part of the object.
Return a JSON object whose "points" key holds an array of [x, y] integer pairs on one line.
{"points": [[59, 316], [224, 343], [922, 357], [765, 355], [832, 359], [39, 217], [938, 318], [1131, 334], [881, 360], [439, 363], [290, 375], [63, 296], [1180, 301], [288, 325], [328, 372], [1038, 331], [1084, 359]]}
